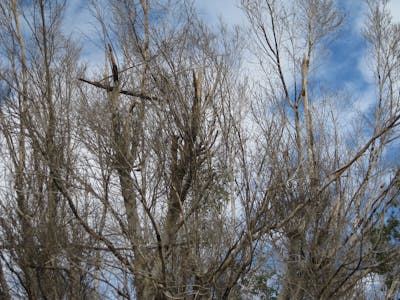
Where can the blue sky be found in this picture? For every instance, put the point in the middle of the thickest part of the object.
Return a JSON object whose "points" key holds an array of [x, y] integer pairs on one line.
{"points": [[345, 67]]}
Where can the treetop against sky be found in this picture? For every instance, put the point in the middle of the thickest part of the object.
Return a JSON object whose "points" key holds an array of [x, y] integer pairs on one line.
{"points": [[178, 149], [346, 68]]}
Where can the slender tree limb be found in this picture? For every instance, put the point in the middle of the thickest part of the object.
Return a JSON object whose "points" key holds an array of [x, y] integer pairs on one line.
{"points": [[109, 88]]}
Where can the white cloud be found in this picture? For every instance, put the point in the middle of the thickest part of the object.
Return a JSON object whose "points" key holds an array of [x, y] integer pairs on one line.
{"points": [[80, 23], [365, 66], [354, 106], [359, 12], [229, 10], [78, 19], [394, 8]]}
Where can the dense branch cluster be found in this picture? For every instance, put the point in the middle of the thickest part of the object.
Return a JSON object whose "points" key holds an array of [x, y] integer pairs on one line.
{"points": [[178, 177]]}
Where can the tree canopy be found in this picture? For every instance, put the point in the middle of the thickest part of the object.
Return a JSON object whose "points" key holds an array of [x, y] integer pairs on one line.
{"points": [[174, 170]]}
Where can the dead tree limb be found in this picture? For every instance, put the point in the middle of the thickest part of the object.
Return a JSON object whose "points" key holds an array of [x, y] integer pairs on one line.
{"points": [[124, 92]]}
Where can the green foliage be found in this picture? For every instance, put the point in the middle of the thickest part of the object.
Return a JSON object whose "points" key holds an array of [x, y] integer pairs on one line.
{"points": [[386, 239], [260, 285]]}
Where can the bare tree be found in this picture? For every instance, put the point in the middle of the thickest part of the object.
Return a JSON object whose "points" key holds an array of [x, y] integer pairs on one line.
{"points": [[42, 248], [170, 175], [334, 194]]}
